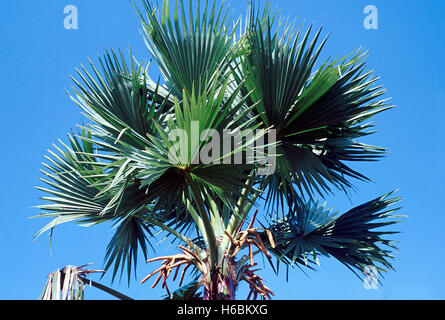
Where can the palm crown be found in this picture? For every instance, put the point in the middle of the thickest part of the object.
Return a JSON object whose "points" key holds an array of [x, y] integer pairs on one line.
{"points": [[127, 167]]}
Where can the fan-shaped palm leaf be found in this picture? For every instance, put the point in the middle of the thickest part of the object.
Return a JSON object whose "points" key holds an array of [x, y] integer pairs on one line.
{"points": [[351, 238], [317, 115], [190, 48]]}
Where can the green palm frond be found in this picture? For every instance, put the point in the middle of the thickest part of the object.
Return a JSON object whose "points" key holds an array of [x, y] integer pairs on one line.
{"points": [[280, 64], [69, 177], [163, 166], [351, 238], [186, 292], [122, 100], [317, 114], [130, 235], [189, 47], [74, 178]]}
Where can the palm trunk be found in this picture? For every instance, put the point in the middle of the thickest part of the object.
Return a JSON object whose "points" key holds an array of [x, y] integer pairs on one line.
{"points": [[219, 286]]}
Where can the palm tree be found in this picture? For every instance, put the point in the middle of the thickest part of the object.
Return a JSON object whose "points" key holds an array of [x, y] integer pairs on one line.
{"points": [[137, 162]]}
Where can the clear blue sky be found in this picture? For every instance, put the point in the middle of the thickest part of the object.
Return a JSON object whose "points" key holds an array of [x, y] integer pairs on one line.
{"points": [[37, 55]]}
